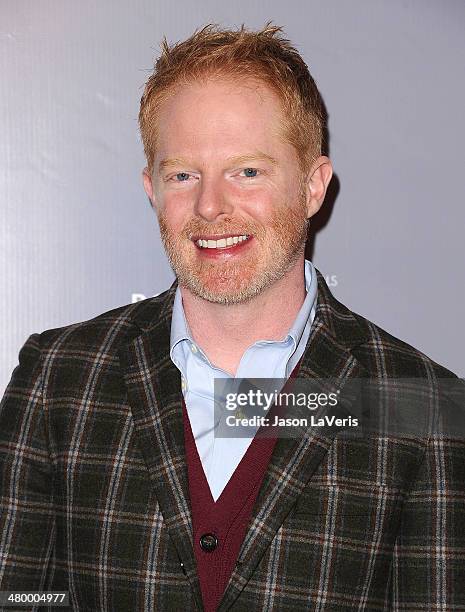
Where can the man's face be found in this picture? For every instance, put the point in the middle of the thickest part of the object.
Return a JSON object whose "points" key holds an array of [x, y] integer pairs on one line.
{"points": [[223, 172]]}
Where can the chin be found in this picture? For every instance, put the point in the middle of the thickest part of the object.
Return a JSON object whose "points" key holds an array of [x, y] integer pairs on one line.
{"points": [[234, 288], [221, 293]]}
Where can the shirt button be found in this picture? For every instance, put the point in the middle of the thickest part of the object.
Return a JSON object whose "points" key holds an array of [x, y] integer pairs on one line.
{"points": [[183, 384], [208, 542], [194, 348]]}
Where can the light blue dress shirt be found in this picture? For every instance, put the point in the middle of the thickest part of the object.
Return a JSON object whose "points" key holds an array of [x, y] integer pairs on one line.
{"points": [[264, 359]]}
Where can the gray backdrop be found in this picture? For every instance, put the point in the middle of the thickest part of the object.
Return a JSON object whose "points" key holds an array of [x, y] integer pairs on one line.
{"points": [[78, 236]]}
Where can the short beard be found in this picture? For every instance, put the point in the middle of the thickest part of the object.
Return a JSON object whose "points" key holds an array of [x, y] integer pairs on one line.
{"points": [[282, 243]]}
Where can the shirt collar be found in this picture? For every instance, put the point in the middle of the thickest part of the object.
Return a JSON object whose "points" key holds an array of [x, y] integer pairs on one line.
{"points": [[311, 285], [180, 328]]}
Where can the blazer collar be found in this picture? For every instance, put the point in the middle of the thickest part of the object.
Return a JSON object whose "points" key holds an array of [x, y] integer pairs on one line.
{"points": [[154, 394]]}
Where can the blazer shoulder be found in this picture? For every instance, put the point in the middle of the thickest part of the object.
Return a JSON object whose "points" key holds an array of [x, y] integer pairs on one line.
{"points": [[110, 327], [387, 355], [381, 353]]}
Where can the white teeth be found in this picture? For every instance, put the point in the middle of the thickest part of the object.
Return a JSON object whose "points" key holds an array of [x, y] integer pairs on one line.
{"points": [[221, 243]]}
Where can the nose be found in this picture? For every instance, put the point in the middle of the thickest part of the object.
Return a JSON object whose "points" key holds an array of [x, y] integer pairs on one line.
{"points": [[212, 201]]}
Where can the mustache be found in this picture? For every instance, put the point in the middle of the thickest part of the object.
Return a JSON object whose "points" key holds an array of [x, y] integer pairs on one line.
{"points": [[196, 227]]}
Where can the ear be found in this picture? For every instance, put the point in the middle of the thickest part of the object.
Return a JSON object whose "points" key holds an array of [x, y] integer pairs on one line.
{"points": [[148, 185], [316, 184]]}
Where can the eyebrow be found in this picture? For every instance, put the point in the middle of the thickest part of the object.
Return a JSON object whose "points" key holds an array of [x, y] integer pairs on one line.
{"points": [[170, 162]]}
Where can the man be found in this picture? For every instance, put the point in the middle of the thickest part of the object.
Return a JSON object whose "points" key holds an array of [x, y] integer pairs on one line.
{"points": [[114, 486]]}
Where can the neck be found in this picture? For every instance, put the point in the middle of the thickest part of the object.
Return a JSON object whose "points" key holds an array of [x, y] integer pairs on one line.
{"points": [[224, 332]]}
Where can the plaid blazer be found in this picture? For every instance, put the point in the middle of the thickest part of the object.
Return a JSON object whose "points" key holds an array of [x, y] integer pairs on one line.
{"points": [[94, 488]]}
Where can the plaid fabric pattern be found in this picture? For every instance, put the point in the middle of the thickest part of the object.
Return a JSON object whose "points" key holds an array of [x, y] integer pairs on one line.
{"points": [[94, 490]]}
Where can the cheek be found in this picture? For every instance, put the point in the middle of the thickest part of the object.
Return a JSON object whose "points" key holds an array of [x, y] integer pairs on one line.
{"points": [[260, 206], [175, 211]]}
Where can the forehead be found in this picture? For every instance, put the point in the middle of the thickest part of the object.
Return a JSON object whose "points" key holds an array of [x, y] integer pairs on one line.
{"points": [[220, 113]]}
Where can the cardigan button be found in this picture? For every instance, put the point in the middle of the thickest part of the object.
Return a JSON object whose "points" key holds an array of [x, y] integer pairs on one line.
{"points": [[208, 542]]}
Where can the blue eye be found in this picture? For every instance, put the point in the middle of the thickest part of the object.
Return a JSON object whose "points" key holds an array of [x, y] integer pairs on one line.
{"points": [[182, 176], [250, 172]]}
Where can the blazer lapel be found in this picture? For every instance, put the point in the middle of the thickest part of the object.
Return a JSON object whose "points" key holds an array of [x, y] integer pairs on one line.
{"points": [[154, 392], [294, 460]]}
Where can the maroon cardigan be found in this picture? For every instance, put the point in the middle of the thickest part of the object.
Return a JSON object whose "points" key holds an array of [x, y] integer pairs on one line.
{"points": [[219, 527]]}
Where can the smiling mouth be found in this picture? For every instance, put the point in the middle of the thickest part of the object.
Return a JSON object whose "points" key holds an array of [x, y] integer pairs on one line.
{"points": [[221, 243]]}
